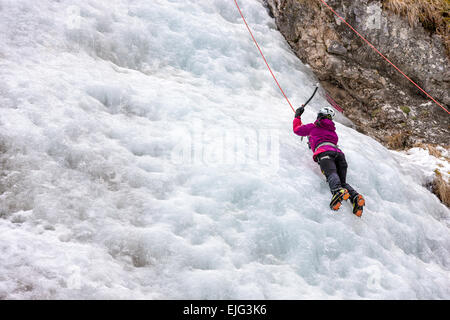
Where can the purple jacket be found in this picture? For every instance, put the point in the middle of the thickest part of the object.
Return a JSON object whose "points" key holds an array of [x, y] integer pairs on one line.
{"points": [[318, 132]]}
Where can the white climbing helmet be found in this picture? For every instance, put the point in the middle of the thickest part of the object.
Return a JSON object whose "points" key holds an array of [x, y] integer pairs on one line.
{"points": [[326, 112]]}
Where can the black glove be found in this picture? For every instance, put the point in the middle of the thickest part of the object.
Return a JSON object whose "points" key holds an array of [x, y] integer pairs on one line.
{"points": [[299, 112]]}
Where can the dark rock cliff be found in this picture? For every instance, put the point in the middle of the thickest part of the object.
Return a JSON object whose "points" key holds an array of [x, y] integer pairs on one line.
{"points": [[374, 95]]}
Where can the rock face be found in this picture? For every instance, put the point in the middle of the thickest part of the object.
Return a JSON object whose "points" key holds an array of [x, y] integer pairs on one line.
{"points": [[373, 94]]}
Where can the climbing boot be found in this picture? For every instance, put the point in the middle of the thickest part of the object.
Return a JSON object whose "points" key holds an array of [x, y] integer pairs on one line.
{"points": [[339, 196]]}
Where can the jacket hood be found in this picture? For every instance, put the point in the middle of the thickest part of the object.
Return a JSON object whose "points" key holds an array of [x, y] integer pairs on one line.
{"points": [[325, 124]]}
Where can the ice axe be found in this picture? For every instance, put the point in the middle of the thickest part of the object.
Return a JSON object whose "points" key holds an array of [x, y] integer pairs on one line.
{"points": [[310, 98], [314, 93]]}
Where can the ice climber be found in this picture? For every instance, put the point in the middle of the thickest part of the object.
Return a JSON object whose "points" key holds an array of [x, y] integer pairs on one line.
{"points": [[323, 142]]}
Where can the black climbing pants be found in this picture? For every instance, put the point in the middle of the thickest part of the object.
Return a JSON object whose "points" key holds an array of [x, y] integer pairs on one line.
{"points": [[334, 167]]}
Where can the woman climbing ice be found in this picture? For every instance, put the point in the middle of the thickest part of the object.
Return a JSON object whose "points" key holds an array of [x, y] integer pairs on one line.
{"points": [[323, 142]]}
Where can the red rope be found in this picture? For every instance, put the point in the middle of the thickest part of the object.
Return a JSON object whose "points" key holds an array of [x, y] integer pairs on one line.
{"points": [[333, 103], [263, 56], [373, 47]]}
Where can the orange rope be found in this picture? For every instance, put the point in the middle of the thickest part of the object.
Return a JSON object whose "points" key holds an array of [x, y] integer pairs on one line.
{"points": [[263, 56]]}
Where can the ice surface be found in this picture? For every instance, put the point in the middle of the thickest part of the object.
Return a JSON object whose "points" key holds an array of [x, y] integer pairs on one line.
{"points": [[147, 153]]}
